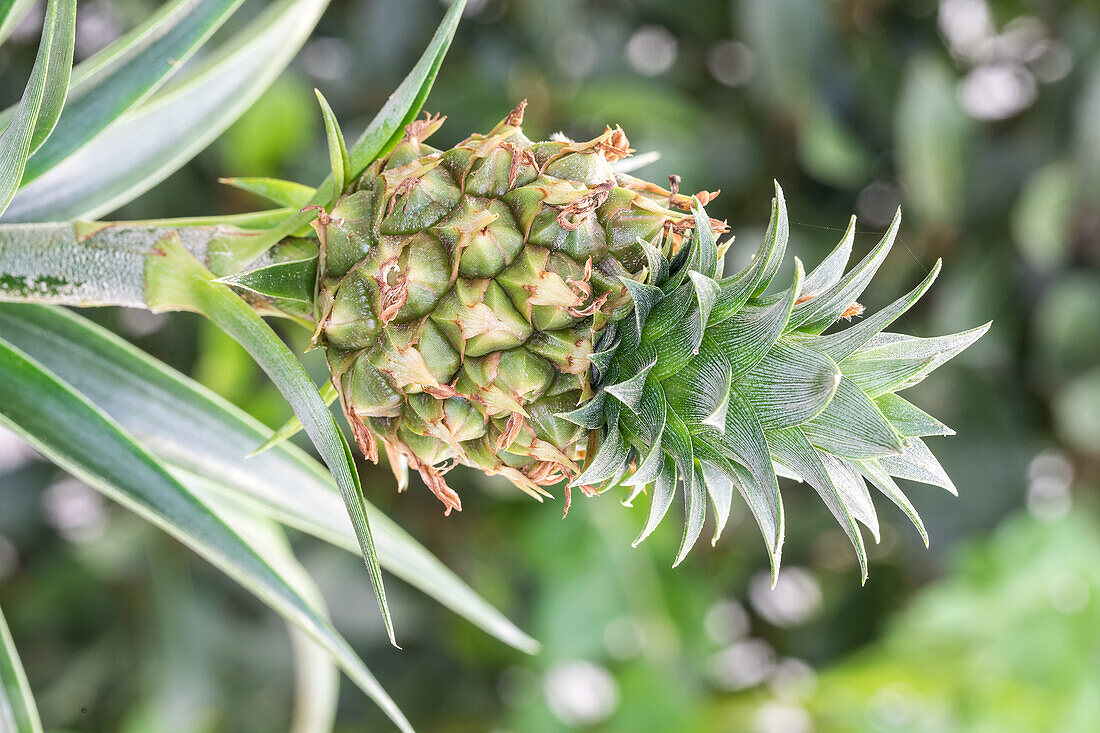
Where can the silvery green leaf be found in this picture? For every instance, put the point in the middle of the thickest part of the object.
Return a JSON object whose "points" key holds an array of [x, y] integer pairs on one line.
{"points": [[779, 231], [851, 426], [743, 442], [940, 348], [700, 391], [676, 442], [644, 296], [141, 148], [876, 475], [695, 513], [918, 464], [105, 88], [719, 485], [790, 385], [18, 713], [648, 423], [589, 415], [660, 499], [908, 419], [668, 313], [657, 263], [853, 492], [70, 431], [706, 293], [759, 502], [609, 459], [747, 337], [822, 311], [193, 429], [879, 376], [12, 13], [737, 289], [292, 280], [33, 119], [706, 249], [681, 342], [843, 343], [638, 363], [792, 448], [339, 164], [826, 275]]}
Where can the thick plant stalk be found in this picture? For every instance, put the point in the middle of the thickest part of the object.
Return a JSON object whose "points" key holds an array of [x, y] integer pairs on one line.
{"points": [[85, 264], [95, 263]]}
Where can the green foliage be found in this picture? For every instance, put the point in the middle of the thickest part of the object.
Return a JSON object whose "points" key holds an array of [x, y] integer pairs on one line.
{"points": [[823, 97]]}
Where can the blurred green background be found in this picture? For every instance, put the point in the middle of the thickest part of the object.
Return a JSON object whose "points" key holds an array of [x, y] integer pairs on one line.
{"points": [[980, 118]]}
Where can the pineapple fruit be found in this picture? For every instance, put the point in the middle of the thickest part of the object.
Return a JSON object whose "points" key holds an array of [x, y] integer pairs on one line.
{"points": [[525, 309]]}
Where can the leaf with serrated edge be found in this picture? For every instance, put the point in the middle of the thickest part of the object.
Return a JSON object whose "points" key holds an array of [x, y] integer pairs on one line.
{"points": [[918, 464], [719, 486], [790, 385], [791, 448], [831, 269], [644, 297], [660, 499], [851, 426], [707, 251], [874, 473], [743, 442], [842, 344], [908, 419], [746, 338], [737, 289], [695, 513], [610, 457], [779, 234], [876, 377], [629, 391], [820, 312], [676, 442], [853, 492], [700, 391], [940, 348]]}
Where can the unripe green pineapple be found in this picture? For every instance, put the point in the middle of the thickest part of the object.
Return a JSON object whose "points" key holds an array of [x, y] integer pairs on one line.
{"points": [[524, 309]]}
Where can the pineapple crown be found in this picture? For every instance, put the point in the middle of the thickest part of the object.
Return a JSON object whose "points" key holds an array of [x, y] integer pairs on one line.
{"points": [[715, 386]]}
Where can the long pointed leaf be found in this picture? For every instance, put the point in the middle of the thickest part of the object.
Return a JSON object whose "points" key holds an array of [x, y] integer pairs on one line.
{"points": [[194, 429], [18, 713], [381, 134], [176, 280], [77, 436], [12, 13], [142, 148], [316, 677], [98, 99], [35, 116]]}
